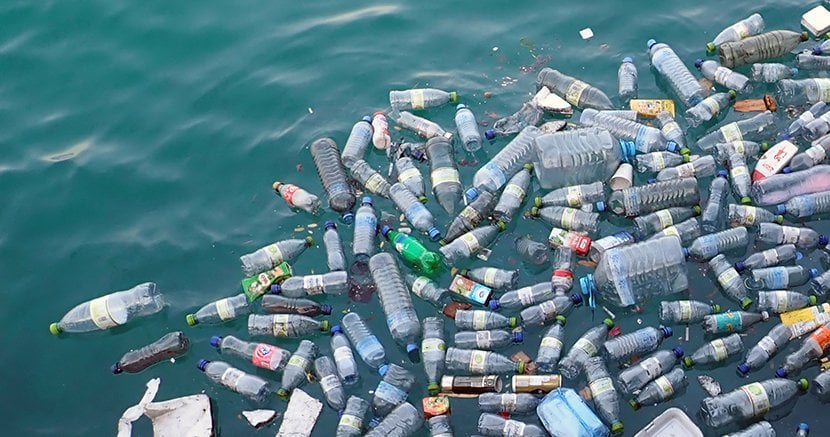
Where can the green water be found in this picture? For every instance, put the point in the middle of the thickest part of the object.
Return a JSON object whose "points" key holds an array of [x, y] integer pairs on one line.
{"points": [[140, 140]]}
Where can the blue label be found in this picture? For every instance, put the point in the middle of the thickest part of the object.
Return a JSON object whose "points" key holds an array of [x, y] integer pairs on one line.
{"points": [[368, 220], [639, 140], [727, 322], [619, 278], [495, 171], [776, 278], [390, 393], [367, 343], [414, 211], [646, 339]]}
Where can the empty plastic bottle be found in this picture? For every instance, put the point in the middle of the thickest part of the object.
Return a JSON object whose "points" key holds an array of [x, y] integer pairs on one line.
{"points": [[713, 214], [821, 284], [330, 383], [351, 421], [731, 321], [405, 420], [816, 110], [335, 258], [298, 366], [519, 404], [493, 425], [560, 304], [657, 161], [675, 73], [687, 231], [821, 384], [415, 212], [809, 61], [706, 247], [477, 320], [480, 362], [576, 92], [261, 355], [493, 277], [764, 349], [428, 290], [644, 199], [531, 251], [523, 297], [530, 114], [573, 196], [772, 73], [297, 197], [779, 188], [752, 25], [391, 391], [604, 395], [380, 137], [507, 162], [722, 151], [220, 311], [440, 426], [661, 389], [513, 195], [750, 401], [811, 157], [326, 158], [730, 281], [740, 178], [645, 138], [312, 285], [410, 177], [758, 48], [685, 311], [467, 127], [372, 181], [671, 130], [250, 386], [396, 302], [433, 353], [412, 251], [285, 325], [571, 219], [715, 351], [564, 263], [798, 92], [492, 339], [343, 357], [421, 98], [111, 310], [586, 347], [274, 254], [599, 247], [781, 301], [551, 345], [769, 258], [751, 129], [817, 128], [804, 238], [365, 343], [276, 304], [750, 216], [638, 375], [811, 349], [168, 347], [640, 342], [781, 277], [358, 142], [709, 108], [446, 185], [424, 128], [654, 222], [471, 243], [724, 76], [365, 228], [471, 216], [627, 77]]}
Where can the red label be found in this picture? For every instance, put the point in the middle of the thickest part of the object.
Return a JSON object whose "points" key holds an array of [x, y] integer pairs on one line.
{"points": [[288, 193], [579, 243], [563, 273], [264, 355]]}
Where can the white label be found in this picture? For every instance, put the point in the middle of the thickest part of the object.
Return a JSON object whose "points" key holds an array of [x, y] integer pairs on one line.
{"points": [[483, 339], [280, 325], [568, 217], [725, 278], [478, 360], [668, 128], [419, 284], [99, 313], [445, 174], [750, 212], [685, 311], [665, 387], [789, 234], [416, 96], [770, 256], [742, 29], [601, 386], [373, 183], [508, 402], [525, 296], [515, 190], [471, 242], [432, 345], [731, 132], [721, 76], [329, 382], [665, 218], [548, 309], [574, 196], [479, 320], [490, 276], [768, 345], [739, 147], [652, 367], [781, 301], [408, 174], [757, 397], [313, 284], [343, 354], [719, 347], [659, 161], [350, 421], [513, 428], [552, 342], [671, 230], [230, 377], [686, 170], [274, 253], [586, 346], [823, 89], [816, 153], [738, 171], [224, 309]]}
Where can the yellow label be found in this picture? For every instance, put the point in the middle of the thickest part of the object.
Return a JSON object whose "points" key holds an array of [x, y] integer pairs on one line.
{"points": [[665, 218], [665, 387], [574, 92], [274, 253], [470, 241], [649, 108], [351, 421], [741, 29], [711, 104], [444, 175], [432, 345], [224, 309], [574, 196], [490, 276], [671, 230], [280, 326], [586, 346], [568, 217], [417, 98], [750, 214], [408, 174], [601, 386], [100, 314], [738, 171], [230, 377], [552, 342], [727, 277], [823, 89], [374, 182], [731, 132], [419, 284], [804, 314], [515, 190], [781, 301], [719, 347], [739, 147], [669, 128]]}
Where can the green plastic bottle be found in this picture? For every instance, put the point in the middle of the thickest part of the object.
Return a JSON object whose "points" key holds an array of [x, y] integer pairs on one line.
{"points": [[412, 251]]}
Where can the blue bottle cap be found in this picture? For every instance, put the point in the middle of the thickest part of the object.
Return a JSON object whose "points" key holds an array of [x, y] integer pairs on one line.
{"points": [[685, 252], [823, 240], [678, 351], [214, 341], [576, 299], [374, 422], [385, 230], [494, 304], [471, 193], [460, 106], [276, 289], [367, 118], [781, 373], [628, 59], [383, 369], [787, 170], [740, 266], [348, 217], [780, 209], [667, 331], [722, 174], [411, 347], [794, 71], [798, 256], [627, 149], [434, 234], [326, 309], [651, 181], [330, 224], [518, 337], [650, 43], [201, 364], [336, 329], [698, 63], [743, 369], [813, 273], [367, 200], [600, 206], [803, 427], [671, 146], [489, 134], [817, 50]]}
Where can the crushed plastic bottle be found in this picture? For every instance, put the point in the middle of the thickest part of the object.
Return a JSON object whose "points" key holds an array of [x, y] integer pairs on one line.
{"points": [[298, 366], [637, 343], [587, 346], [769, 258], [276, 304], [781, 301], [480, 362], [285, 325], [650, 224], [551, 345], [645, 138], [706, 247], [644, 199], [685, 311], [530, 114], [513, 195], [487, 340], [446, 185], [575, 91], [410, 177], [811, 349], [311, 285], [765, 349], [627, 78], [532, 252], [372, 181], [365, 343], [471, 243], [358, 141], [506, 163], [730, 280], [759, 48], [564, 263], [634, 378], [731, 321], [420, 98], [604, 395], [396, 303], [273, 255], [332, 387], [262, 355], [675, 73], [661, 389], [471, 216], [297, 197], [433, 352], [497, 426], [709, 108], [250, 386], [467, 127], [111, 310], [752, 25], [391, 391], [821, 284], [713, 215], [380, 137], [351, 421], [772, 73], [756, 128], [416, 213], [715, 352], [171, 345], [748, 149], [750, 401], [821, 386], [326, 158], [220, 311]]}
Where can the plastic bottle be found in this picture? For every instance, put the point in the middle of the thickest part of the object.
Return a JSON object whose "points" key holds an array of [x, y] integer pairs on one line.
{"points": [[312, 285], [480, 362], [297, 197], [573, 196], [551, 345], [298, 366], [404, 420], [446, 185], [420, 98], [740, 178], [415, 212], [477, 320], [755, 128], [262, 355], [351, 421], [487, 340], [471, 216], [572, 365], [220, 311], [730, 281], [365, 343], [467, 127], [781, 277], [687, 231], [604, 395], [706, 247], [644, 199], [661, 389], [769, 258], [276, 304], [391, 391], [433, 353], [709, 108], [330, 383], [514, 404], [764, 349], [724, 76], [629, 275], [285, 325], [809, 61], [571, 219], [713, 215], [804, 238], [493, 425], [772, 73], [168, 347], [274, 254], [638, 375], [513, 195], [746, 148], [335, 258], [638, 343], [675, 73], [428, 290], [358, 142], [731, 321], [250, 386], [424, 128], [548, 310], [715, 351], [797, 126], [685, 311], [821, 284], [799, 92], [745, 215], [811, 157], [760, 47], [671, 130], [530, 114], [326, 158], [532, 251], [817, 128], [523, 297], [750, 401], [396, 302], [599, 247], [576, 92], [752, 25], [564, 263], [343, 357], [380, 137], [372, 181], [657, 161], [412, 251], [654, 222], [471, 243], [410, 177], [440, 426], [781, 301], [627, 78], [111, 310], [780, 188], [646, 138], [506, 163], [811, 349], [579, 156], [365, 228], [820, 386], [493, 277]]}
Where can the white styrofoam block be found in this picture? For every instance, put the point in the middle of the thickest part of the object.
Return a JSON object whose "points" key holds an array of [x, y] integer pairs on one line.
{"points": [[817, 20], [586, 33]]}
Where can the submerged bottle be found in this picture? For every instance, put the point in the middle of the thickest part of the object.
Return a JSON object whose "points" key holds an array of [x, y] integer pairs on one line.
{"points": [[779, 188], [365, 228], [326, 158], [297, 197], [365, 343], [709, 108], [551, 345], [646, 138], [730, 281], [471, 216], [412, 251], [820, 386], [335, 258], [446, 185], [750, 401], [752, 25], [531, 251], [285, 325], [424, 128], [168, 347], [467, 127], [751, 129], [513, 195], [262, 355], [650, 224], [638, 375], [644, 199], [396, 302], [627, 78], [706, 247], [416, 213], [716, 351], [638, 343], [571, 219], [404, 420], [530, 114], [811, 349], [758, 48], [514, 404], [769, 258], [493, 425], [420, 98], [299, 365], [604, 395], [358, 142], [471, 243], [220, 311], [675, 73], [687, 231], [351, 421], [480, 362], [111, 310], [343, 356], [657, 161], [501, 167], [661, 389], [380, 137], [586, 347], [273, 255], [765, 349], [798, 92], [809, 61], [713, 214], [804, 238], [433, 351], [392, 390], [312, 285], [564, 263], [576, 92], [772, 73], [372, 181], [410, 177], [731, 321], [250, 386], [685, 311], [330, 383]]}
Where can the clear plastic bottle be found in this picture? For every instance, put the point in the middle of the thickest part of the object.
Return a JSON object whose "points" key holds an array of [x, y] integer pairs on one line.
{"points": [[420, 98], [730, 281], [514, 404], [467, 127], [821, 284], [312, 285], [513, 195], [637, 343], [424, 128], [574, 196], [716, 351], [811, 157], [675, 73], [372, 181], [274, 254], [687, 231], [433, 352], [578, 156], [814, 111], [492, 339], [765, 349], [410, 177], [261, 355], [477, 320], [807, 205], [781, 301], [799, 92], [661, 389], [809, 61], [560, 304], [471, 243], [564, 263], [817, 128], [532, 251], [588, 345], [404, 420], [396, 302], [446, 185], [471, 216], [171, 345], [365, 343], [440, 426], [299, 365], [493, 277], [627, 78], [731, 321], [658, 161], [599, 247], [759, 48], [220, 311], [821, 385], [713, 214], [629, 275], [250, 386], [644, 199], [523, 297], [380, 137], [326, 158], [750, 216], [671, 130], [335, 258], [575, 91], [297, 197], [740, 178], [779, 188], [821, 49], [772, 73], [709, 108], [285, 325], [428, 290], [769, 258], [358, 142], [111, 310], [506, 163], [650, 224], [752, 25], [760, 429], [750, 401], [416, 213], [480, 362], [343, 356], [804, 238], [685, 311], [571, 219], [530, 114], [748, 149], [646, 138], [391, 391], [365, 229], [604, 395], [723, 76], [811, 349], [551, 345], [705, 248], [496, 426], [638, 375], [351, 421], [755, 128], [330, 383]]}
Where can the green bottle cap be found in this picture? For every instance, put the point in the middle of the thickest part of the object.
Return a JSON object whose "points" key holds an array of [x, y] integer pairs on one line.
{"points": [[805, 36], [191, 320], [764, 147], [453, 96], [309, 241], [710, 47], [324, 326], [687, 361], [608, 323], [746, 201], [696, 208], [634, 404], [561, 319], [55, 329], [500, 224], [433, 388], [616, 428], [514, 322], [520, 367], [779, 219], [813, 300], [716, 308], [803, 384], [528, 167], [534, 212], [745, 303], [422, 199], [537, 202], [283, 393], [685, 151], [732, 94]]}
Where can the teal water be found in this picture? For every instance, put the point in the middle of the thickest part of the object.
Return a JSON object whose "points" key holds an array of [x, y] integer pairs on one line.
{"points": [[140, 141]]}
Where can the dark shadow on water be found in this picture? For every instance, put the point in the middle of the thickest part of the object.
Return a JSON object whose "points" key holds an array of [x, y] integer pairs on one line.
{"points": [[361, 286]]}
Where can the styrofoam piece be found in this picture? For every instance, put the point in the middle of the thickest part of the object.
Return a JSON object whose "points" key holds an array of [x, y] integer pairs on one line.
{"points": [[188, 416], [551, 102], [300, 416], [673, 422], [816, 20], [586, 33]]}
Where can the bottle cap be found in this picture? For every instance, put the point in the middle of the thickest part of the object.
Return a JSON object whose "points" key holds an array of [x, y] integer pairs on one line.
{"points": [[453, 96], [412, 352], [385, 230], [817, 50], [383, 369], [651, 181], [823, 240], [434, 234], [716, 308], [367, 118], [518, 337], [191, 320], [283, 393], [471, 193], [743, 369], [494, 304], [813, 273], [813, 299], [740, 266], [617, 427], [433, 388], [746, 303], [513, 322], [201, 364], [501, 225], [489, 134], [678, 351], [576, 299], [528, 167], [764, 315], [667, 331], [367, 200], [732, 94], [537, 202], [534, 211], [55, 329], [608, 323], [326, 309], [697, 210], [687, 361], [803, 427], [330, 225], [685, 151], [422, 199], [276, 289], [650, 43], [698, 63], [460, 106], [600, 205], [794, 71], [779, 219], [336, 329], [685, 252], [628, 59], [622, 178], [803, 384], [787, 170], [627, 149], [324, 326], [746, 200], [781, 373], [634, 404], [804, 36], [309, 241], [798, 256], [215, 340], [671, 146], [780, 209], [710, 47], [347, 218], [562, 319], [520, 367]]}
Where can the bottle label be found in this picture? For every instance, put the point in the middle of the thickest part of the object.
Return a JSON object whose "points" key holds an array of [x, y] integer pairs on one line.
{"points": [[266, 356], [671, 231], [727, 277], [659, 161], [665, 387], [274, 253], [665, 218], [574, 196], [770, 257], [351, 421], [552, 342], [710, 103], [433, 345], [508, 402], [416, 96], [470, 289], [749, 217], [719, 349], [816, 153], [685, 310], [513, 428], [727, 322], [568, 217], [230, 377], [470, 214], [516, 191], [804, 315], [631, 201], [444, 175], [781, 300], [419, 284], [390, 393], [823, 89], [280, 325], [343, 354], [586, 346], [224, 309], [789, 234], [557, 237], [470, 240], [99, 313], [767, 344], [822, 337], [668, 129], [525, 295], [742, 29], [686, 170], [313, 284], [652, 367], [601, 386], [490, 276], [574, 92], [478, 360], [758, 398], [548, 309], [776, 278], [329, 382], [479, 320], [483, 339], [731, 132], [408, 174], [738, 171], [287, 193], [298, 362], [739, 147], [374, 183]]}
